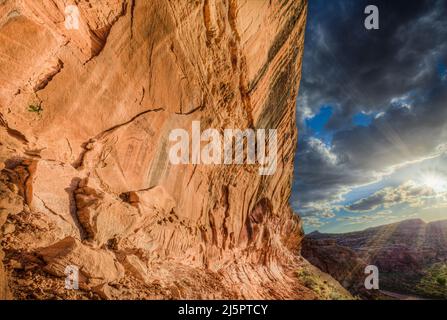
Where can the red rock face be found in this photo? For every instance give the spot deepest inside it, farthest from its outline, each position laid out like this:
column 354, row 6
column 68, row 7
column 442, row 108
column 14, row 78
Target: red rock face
column 85, row 120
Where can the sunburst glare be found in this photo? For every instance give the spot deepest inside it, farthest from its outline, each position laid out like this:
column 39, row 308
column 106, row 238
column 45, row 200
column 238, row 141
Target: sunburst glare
column 436, row 182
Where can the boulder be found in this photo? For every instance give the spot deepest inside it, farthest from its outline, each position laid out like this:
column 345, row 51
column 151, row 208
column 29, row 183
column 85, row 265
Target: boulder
column 96, row 266
column 103, row 216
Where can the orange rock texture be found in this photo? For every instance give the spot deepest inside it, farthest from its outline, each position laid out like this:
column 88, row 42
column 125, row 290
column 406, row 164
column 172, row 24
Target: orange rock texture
column 85, row 116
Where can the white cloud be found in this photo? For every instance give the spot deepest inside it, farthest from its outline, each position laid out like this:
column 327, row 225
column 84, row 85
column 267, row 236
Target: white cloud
column 323, row 150
column 409, row 193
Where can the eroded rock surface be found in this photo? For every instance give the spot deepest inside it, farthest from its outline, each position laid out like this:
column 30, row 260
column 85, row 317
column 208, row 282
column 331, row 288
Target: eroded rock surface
column 85, row 119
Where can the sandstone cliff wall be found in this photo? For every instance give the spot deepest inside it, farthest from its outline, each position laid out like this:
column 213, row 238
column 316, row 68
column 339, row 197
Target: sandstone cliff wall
column 85, row 119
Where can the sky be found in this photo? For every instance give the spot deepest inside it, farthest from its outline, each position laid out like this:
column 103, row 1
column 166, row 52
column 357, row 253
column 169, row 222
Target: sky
column 372, row 115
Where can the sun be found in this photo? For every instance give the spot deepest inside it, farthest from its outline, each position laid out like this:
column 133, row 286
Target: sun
column 437, row 183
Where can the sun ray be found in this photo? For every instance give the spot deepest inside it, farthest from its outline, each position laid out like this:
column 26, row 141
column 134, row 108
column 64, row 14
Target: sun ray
column 435, row 182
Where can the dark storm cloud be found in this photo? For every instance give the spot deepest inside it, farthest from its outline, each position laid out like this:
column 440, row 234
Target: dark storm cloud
column 401, row 134
column 319, row 175
column 359, row 154
column 356, row 69
column 393, row 74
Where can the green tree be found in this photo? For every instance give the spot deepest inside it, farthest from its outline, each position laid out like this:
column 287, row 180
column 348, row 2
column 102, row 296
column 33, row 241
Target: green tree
column 441, row 281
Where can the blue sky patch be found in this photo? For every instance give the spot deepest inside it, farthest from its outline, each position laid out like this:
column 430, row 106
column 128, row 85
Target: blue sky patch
column 442, row 71
column 362, row 119
column 317, row 124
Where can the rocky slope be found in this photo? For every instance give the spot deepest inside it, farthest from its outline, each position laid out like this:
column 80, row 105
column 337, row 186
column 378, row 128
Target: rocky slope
column 85, row 177
column 405, row 253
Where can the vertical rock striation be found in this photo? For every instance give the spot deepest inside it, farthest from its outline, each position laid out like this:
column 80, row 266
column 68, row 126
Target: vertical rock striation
column 85, row 120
